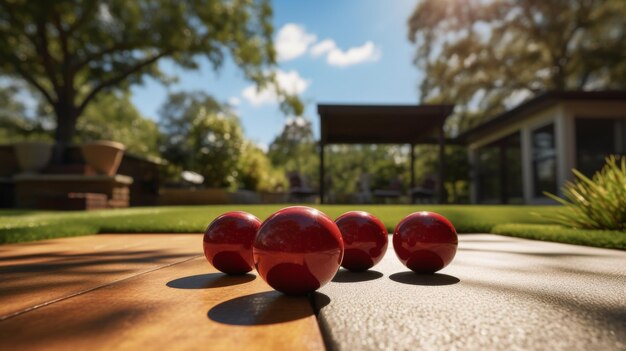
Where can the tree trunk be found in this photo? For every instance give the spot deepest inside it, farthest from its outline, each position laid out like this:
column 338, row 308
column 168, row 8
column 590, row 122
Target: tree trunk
column 66, row 116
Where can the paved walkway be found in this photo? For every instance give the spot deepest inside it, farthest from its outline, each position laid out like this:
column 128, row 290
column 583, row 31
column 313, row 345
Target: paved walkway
column 499, row 293
column 145, row 291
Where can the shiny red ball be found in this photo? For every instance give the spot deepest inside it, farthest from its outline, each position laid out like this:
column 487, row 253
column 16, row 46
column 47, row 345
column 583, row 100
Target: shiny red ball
column 365, row 240
column 228, row 242
column 297, row 250
column 425, row 242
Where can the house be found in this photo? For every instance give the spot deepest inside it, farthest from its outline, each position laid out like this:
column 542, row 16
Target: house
column 521, row 153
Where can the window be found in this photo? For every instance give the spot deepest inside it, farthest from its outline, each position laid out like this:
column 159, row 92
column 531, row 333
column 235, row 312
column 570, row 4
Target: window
column 544, row 160
column 597, row 138
column 500, row 171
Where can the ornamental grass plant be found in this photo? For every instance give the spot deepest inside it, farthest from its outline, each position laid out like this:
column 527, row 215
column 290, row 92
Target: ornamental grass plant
column 598, row 202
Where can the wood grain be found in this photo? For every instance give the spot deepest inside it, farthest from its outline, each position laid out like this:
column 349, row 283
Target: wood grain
column 183, row 306
column 33, row 274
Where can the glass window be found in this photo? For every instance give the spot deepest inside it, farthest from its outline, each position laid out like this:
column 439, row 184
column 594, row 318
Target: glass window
column 595, row 139
column 500, row 171
column 544, row 160
column 489, row 187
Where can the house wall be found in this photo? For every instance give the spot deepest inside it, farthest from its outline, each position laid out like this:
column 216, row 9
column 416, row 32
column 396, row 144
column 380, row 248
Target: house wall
column 586, row 109
column 553, row 114
column 563, row 115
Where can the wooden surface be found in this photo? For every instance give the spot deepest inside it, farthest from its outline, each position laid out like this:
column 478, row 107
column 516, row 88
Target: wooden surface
column 141, row 292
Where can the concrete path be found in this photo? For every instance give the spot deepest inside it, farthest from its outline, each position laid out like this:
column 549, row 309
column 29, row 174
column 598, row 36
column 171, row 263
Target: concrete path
column 499, row 293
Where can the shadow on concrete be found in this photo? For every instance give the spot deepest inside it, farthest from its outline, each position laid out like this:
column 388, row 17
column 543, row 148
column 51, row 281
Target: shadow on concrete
column 319, row 301
column 264, row 308
column 209, row 281
column 346, row 276
column 412, row 278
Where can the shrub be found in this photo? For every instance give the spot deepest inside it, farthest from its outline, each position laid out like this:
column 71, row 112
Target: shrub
column 596, row 203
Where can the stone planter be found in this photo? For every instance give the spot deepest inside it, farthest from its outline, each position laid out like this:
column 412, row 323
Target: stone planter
column 103, row 156
column 33, row 156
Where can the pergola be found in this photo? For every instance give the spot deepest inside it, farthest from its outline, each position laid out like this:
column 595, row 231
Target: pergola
column 384, row 124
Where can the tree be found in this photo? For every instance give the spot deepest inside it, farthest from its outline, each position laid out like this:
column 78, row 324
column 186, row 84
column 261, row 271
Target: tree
column 202, row 135
column 294, row 149
column 112, row 116
column 16, row 123
column 485, row 56
column 70, row 51
column 381, row 164
column 255, row 171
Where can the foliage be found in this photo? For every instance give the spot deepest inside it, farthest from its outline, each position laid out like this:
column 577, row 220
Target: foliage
column 485, row 56
column 111, row 117
column 382, row 165
column 596, row 203
column 557, row 233
column 70, row 51
column 114, row 117
column 456, row 169
column 203, row 136
column 255, row 171
column 15, row 124
column 295, row 150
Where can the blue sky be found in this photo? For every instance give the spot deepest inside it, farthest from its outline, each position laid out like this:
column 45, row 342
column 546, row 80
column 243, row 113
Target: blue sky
column 341, row 51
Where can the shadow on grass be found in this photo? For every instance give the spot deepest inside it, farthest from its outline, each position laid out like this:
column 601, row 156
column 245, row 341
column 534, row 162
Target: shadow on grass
column 413, row 278
column 209, row 281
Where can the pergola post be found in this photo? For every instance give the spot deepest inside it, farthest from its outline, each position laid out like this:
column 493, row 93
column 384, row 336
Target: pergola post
column 412, row 183
column 442, row 152
column 321, row 172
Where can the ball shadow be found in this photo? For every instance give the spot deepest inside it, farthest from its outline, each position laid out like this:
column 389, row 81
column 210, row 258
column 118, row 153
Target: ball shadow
column 209, row 281
column 346, row 276
column 319, row 301
column 413, row 278
column 264, row 308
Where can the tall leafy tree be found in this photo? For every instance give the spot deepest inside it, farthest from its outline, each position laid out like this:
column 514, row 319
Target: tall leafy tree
column 112, row 116
column 16, row 123
column 70, row 51
column 485, row 56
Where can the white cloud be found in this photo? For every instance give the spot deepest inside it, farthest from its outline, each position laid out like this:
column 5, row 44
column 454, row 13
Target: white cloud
column 290, row 82
column 292, row 41
column 367, row 52
column 234, row 101
column 323, row 47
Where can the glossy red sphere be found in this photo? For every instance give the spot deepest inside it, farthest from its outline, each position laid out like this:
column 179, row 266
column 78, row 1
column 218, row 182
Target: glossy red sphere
column 228, row 242
column 364, row 238
column 425, row 242
column 297, row 250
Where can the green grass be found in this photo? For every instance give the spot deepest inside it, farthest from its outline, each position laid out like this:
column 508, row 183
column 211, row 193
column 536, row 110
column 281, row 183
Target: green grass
column 20, row 226
column 598, row 238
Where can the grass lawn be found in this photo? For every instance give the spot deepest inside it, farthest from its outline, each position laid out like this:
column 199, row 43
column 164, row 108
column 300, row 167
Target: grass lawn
column 20, row 226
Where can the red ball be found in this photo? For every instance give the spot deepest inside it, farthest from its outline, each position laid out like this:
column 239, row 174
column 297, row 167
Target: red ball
column 228, row 242
column 365, row 240
column 297, row 250
column 425, row 242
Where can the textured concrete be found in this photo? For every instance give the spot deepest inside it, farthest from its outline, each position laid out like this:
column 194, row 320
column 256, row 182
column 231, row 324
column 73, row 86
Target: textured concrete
column 499, row 293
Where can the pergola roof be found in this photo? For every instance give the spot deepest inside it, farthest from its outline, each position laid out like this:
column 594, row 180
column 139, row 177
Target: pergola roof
column 381, row 124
